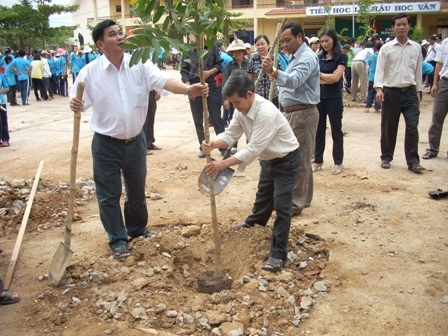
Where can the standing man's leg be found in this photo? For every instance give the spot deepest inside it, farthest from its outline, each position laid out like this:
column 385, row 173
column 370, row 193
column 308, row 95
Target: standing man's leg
column 134, row 175
column 284, row 175
column 4, row 129
column 304, row 125
column 439, row 112
column 214, row 108
column 355, row 80
column 198, row 119
column 36, row 88
column 364, row 79
column 411, row 114
column 23, row 90
column 150, row 118
column 390, row 117
column 108, row 157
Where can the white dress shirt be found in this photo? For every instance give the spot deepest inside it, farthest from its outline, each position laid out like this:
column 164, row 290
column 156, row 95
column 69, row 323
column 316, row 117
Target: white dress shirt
column 267, row 131
column 363, row 55
column 399, row 66
column 46, row 73
column 432, row 52
column 442, row 57
column 119, row 98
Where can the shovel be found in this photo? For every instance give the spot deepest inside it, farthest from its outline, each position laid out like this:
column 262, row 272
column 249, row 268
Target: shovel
column 64, row 253
column 220, row 180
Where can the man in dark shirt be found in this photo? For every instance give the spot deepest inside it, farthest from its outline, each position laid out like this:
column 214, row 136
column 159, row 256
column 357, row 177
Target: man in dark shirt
column 190, row 75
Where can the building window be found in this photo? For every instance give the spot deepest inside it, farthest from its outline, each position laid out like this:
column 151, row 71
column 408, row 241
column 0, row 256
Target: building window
column 118, row 8
column 242, row 3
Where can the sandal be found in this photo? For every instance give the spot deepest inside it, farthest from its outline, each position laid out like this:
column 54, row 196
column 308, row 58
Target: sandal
column 273, row 265
column 429, row 155
column 120, row 252
column 337, row 169
column 317, row 166
column 7, row 297
column 416, row 168
column 148, row 152
column 385, row 164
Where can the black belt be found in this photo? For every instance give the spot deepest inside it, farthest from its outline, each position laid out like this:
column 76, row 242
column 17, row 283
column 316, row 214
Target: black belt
column 358, row 61
column 404, row 89
column 444, row 78
column 282, row 159
column 124, row 141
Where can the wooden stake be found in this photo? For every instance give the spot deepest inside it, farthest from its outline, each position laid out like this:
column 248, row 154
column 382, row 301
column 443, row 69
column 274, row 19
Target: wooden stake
column 15, row 252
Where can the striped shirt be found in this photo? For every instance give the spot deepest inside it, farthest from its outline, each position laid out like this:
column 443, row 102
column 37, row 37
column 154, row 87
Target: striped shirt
column 267, row 131
column 254, row 67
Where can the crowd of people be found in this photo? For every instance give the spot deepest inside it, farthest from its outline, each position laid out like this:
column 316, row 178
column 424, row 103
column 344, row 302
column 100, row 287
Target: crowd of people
column 284, row 118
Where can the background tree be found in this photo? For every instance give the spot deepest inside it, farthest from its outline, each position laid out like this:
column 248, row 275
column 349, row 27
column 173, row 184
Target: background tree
column 366, row 18
column 23, row 26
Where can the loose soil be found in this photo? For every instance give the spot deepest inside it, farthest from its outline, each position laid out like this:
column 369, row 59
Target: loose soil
column 374, row 236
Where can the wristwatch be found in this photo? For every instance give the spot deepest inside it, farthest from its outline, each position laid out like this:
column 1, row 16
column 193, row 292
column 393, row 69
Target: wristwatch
column 274, row 69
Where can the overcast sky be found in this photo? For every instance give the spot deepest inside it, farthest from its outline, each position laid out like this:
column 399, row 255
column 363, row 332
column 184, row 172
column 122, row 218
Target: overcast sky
column 65, row 19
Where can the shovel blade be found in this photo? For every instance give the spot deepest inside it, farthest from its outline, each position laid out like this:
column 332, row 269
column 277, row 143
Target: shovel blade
column 59, row 263
column 220, row 181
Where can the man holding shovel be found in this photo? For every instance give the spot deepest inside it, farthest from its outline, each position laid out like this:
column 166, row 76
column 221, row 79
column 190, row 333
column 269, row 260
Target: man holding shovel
column 118, row 95
column 271, row 139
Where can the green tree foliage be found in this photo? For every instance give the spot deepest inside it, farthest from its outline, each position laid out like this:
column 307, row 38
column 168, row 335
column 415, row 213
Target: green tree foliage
column 366, row 18
column 23, row 26
column 417, row 34
column 183, row 24
column 329, row 20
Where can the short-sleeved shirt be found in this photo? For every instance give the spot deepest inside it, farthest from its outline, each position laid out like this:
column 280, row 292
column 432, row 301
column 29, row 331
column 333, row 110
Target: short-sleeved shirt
column 3, row 85
column 371, row 61
column 442, row 57
column 329, row 91
column 22, row 65
column 37, row 69
column 10, row 75
column 254, row 67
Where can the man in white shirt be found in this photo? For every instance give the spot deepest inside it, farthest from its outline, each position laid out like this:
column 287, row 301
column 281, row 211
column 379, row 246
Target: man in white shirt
column 439, row 90
column 270, row 138
column 398, row 78
column 118, row 95
column 431, row 57
column 359, row 72
column 46, row 74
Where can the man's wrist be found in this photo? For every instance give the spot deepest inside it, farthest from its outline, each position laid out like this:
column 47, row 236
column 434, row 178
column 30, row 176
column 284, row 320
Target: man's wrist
column 188, row 90
column 274, row 70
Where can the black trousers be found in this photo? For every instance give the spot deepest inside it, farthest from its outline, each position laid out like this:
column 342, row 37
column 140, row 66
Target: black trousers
column 397, row 102
column 275, row 187
column 148, row 128
column 333, row 108
column 214, row 111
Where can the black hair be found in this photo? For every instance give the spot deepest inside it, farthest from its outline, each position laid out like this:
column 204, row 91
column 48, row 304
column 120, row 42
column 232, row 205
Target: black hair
column 36, row 57
column 22, row 53
column 296, row 29
column 259, row 37
column 368, row 45
column 8, row 59
column 377, row 46
column 337, row 51
column 433, row 38
column 240, row 83
column 98, row 31
column 219, row 44
column 400, row 16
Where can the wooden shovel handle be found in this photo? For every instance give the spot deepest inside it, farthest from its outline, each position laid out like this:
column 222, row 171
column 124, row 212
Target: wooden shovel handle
column 73, row 159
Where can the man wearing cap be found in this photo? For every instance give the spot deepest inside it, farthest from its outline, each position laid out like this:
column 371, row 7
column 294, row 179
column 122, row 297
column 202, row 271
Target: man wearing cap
column 299, row 88
column 118, row 95
column 87, row 55
column 237, row 51
column 440, row 108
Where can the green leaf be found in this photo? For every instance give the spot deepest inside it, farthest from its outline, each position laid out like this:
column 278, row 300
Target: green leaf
column 158, row 14
column 127, row 46
column 156, row 50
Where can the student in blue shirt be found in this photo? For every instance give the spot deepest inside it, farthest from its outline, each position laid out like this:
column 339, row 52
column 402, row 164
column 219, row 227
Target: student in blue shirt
column 61, row 72
column 54, row 82
column 21, row 67
column 11, row 78
column 371, row 91
column 87, row 56
column 4, row 133
column 74, row 63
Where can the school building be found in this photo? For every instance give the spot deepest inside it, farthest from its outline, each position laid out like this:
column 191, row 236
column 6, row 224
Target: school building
column 264, row 15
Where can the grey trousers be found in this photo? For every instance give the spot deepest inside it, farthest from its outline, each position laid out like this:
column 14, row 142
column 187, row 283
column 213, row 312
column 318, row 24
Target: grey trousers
column 439, row 111
column 359, row 74
column 304, row 125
